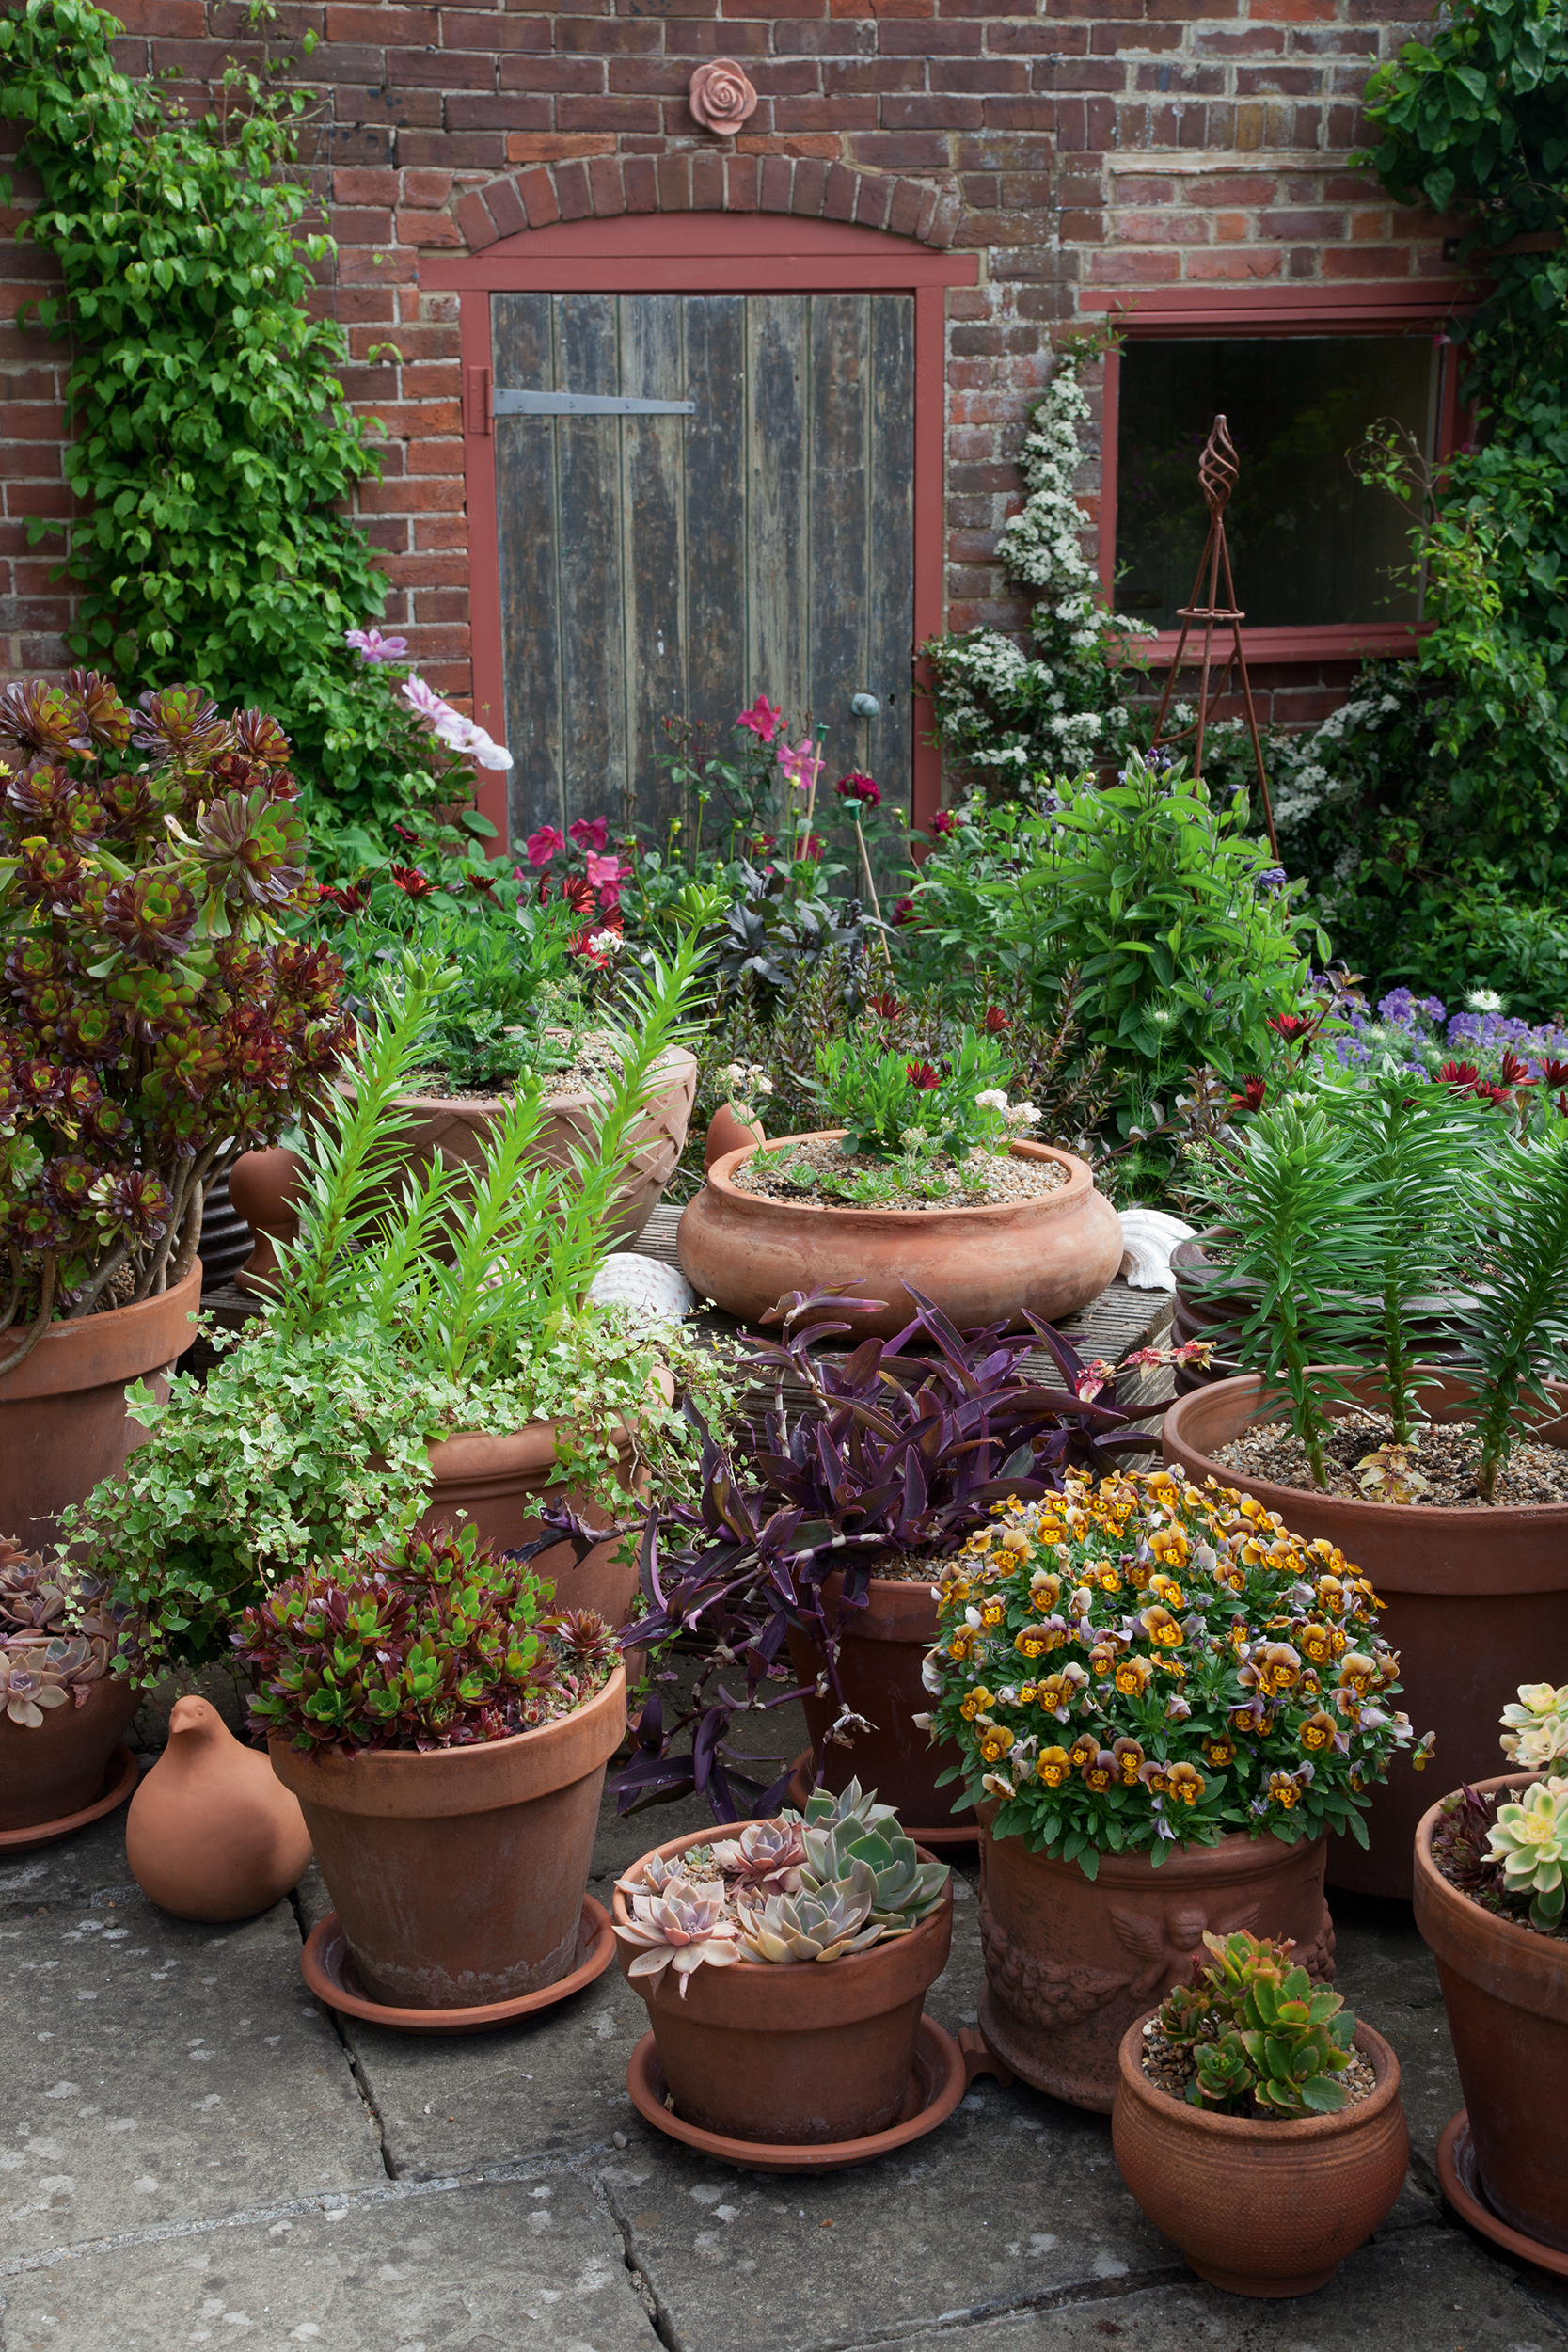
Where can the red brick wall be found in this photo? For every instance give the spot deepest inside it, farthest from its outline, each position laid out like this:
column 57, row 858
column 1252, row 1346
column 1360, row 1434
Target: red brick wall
column 1083, row 146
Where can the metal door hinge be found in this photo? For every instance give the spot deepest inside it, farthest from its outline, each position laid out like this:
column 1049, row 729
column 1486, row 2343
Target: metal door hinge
column 503, row 403
column 476, row 400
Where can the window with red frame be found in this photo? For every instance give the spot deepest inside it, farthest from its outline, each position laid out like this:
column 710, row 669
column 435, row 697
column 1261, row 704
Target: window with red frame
column 1311, row 545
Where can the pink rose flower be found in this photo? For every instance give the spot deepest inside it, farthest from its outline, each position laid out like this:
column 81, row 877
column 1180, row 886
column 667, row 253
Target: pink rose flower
column 721, row 97
column 543, row 844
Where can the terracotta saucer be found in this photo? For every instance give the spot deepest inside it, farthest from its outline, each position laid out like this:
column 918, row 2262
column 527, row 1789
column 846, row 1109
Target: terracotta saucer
column 1460, row 2176
column 121, row 1779
column 952, row 1834
column 326, row 1965
column 943, row 2069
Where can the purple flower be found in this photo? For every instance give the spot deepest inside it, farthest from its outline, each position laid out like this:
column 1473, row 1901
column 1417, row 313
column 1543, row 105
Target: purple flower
column 369, row 644
column 1272, row 878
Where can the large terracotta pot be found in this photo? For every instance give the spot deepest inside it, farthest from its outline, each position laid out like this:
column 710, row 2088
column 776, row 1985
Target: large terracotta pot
column 795, row 2054
column 879, row 1671
column 212, row 1833
column 1506, row 1991
column 63, row 1424
column 458, row 1876
column 1474, row 1601
column 58, row 1767
column 458, row 1129
column 1048, row 1255
column 1071, row 1962
column 1260, row 2207
column 497, row 1480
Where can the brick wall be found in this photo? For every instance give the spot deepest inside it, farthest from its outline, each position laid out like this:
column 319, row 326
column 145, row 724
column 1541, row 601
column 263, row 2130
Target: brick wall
column 1079, row 147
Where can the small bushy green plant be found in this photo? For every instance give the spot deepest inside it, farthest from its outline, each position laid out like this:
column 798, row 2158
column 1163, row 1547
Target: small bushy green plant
column 1260, row 2036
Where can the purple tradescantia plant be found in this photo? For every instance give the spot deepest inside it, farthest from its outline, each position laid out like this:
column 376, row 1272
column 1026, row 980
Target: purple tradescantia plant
column 898, row 1456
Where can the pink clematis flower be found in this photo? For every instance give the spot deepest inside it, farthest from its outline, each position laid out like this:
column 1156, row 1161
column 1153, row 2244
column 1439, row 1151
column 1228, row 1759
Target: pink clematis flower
column 543, row 844
column 602, row 870
column 762, row 720
column 424, row 699
column 801, row 765
column 464, row 735
column 369, row 644
column 589, row 833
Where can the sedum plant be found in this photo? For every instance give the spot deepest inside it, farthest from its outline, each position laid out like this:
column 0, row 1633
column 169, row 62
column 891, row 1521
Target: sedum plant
column 1136, row 1664
column 816, row 1886
column 1260, row 2037
column 433, row 1643
column 60, row 1635
column 156, row 1010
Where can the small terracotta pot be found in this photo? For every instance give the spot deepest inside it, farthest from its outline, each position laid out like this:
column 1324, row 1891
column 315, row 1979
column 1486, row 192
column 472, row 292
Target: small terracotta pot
column 879, row 1671
column 57, row 1768
column 63, row 1424
column 1506, row 1991
column 212, row 1833
column 226, row 1241
column 458, row 1129
column 727, row 1134
column 799, row 2054
column 1048, row 1255
column 1257, row 2207
column 1072, row 1961
column 266, row 1188
column 1472, row 1600
column 458, row 1876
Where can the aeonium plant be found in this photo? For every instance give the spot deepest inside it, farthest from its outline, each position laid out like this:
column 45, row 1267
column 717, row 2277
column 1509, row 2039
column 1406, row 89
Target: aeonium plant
column 1136, row 1664
column 432, row 1642
column 154, row 1009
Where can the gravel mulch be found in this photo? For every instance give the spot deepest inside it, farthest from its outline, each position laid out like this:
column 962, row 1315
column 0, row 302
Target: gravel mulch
column 1008, row 1178
column 1448, row 1456
column 593, row 1067
column 1171, row 2070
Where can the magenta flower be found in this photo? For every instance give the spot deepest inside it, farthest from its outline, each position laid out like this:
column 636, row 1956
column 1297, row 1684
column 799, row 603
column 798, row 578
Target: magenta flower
column 602, row 870
column 589, row 833
column 856, row 787
column 762, row 720
column 801, row 765
column 369, row 644
column 543, row 844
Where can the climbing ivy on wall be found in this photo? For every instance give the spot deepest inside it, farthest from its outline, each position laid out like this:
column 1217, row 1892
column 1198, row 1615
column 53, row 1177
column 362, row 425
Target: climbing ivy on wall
column 211, row 442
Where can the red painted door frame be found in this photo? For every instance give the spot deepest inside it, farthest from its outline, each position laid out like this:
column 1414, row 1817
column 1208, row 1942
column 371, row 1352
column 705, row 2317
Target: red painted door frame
column 697, row 253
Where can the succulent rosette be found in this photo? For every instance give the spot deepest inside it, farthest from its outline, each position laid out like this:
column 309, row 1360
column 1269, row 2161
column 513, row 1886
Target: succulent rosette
column 1135, row 1663
column 152, row 1009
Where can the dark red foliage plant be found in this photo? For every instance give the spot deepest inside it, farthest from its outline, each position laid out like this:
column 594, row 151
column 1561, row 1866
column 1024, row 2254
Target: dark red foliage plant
column 152, row 1006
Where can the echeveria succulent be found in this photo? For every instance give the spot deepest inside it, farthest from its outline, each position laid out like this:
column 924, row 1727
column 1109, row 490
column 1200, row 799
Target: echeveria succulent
column 59, row 1634
column 1530, row 1838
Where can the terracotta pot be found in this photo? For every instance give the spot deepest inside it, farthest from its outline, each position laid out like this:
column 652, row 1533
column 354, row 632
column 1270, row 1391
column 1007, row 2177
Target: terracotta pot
column 1199, row 1313
column 727, row 1134
column 797, row 2054
column 496, row 1482
column 1506, row 1991
column 1257, row 2207
column 212, row 1833
column 459, row 1876
column 879, row 1671
column 63, row 1424
column 1049, row 1255
column 458, row 1129
column 266, row 1187
column 58, row 1767
column 1070, row 1961
column 1473, row 1601
column 226, row 1241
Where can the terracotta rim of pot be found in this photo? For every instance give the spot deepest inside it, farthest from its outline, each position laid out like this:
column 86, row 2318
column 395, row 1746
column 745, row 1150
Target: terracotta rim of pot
column 867, row 1984
column 1379, row 1518
column 1292, row 2131
column 406, row 1783
column 477, row 1106
column 1536, row 1964
column 1134, row 1869
column 121, row 1344
column 893, row 1604
column 1078, row 1185
column 473, row 1454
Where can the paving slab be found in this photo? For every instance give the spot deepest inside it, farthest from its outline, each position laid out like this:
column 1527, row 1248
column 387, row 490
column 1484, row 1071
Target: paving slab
column 1389, row 1977
column 492, row 2266
column 155, row 2070
column 1430, row 2293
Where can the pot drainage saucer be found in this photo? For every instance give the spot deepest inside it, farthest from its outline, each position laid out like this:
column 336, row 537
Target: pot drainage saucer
column 943, row 2071
column 1459, row 2173
column 329, row 1972
column 942, row 1840
column 119, row 1780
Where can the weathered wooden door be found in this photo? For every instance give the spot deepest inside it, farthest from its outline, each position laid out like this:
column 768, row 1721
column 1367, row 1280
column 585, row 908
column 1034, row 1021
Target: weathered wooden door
column 665, row 564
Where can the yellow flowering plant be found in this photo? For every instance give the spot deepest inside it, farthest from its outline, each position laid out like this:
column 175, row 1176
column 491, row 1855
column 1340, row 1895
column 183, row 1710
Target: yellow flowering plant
column 1135, row 1663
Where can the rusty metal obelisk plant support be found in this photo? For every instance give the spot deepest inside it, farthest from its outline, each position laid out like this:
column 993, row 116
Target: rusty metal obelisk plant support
column 1217, row 469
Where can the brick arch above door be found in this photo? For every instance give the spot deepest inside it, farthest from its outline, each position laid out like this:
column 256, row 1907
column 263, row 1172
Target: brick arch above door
column 603, row 186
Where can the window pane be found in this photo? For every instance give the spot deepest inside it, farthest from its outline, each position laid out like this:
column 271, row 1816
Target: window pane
column 1309, row 544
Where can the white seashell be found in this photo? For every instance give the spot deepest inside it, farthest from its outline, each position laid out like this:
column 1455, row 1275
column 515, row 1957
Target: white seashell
column 651, row 1289
column 1148, row 1238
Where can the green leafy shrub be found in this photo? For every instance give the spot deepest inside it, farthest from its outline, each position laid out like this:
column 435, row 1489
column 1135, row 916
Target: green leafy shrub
column 1261, row 2038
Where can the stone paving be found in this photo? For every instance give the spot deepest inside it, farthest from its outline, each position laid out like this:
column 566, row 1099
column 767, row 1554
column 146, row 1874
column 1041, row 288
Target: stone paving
column 192, row 2153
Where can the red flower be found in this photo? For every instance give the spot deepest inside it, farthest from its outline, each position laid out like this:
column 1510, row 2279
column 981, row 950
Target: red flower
column 921, row 1074
column 855, row 786
column 582, row 944
column 578, row 891
column 904, row 911
column 1489, row 1093
column 409, row 879
column 1514, row 1073
column 1290, row 1025
column 1462, row 1074
column 813, row 845
column 403, row 833
column 995, row 1020
column 1555, row 1072
column 944, row 821
column 887, row 1005
column 1251, row 1097
column 347, row 902
column 590, row 833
